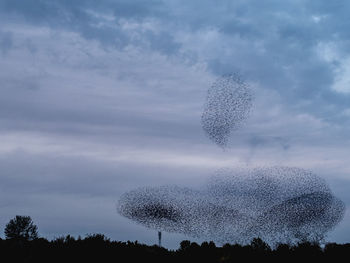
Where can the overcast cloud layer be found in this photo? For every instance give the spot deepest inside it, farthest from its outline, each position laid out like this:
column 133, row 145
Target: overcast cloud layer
column 100, row 97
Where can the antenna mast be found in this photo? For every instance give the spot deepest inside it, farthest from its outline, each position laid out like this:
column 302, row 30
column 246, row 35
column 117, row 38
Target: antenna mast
column 159, row 238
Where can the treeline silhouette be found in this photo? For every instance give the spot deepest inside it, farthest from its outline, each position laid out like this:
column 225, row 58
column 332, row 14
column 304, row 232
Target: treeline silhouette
column 98, row 248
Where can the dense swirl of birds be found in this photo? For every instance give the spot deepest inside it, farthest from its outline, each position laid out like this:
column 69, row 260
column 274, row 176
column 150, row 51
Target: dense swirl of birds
column 228, row 104
column 278, row 204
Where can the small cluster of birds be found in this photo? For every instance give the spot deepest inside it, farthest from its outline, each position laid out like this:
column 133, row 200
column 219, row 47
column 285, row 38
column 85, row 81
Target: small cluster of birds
column 277, row 204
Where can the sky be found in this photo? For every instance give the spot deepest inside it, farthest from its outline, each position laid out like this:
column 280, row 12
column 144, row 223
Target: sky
column 101, row 97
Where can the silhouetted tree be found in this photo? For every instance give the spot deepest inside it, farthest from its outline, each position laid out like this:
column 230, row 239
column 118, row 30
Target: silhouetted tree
column 185, row 244
column 259, row 245
column 99, row 248
column 308, row 250
column 98, row 238
column 21, row 228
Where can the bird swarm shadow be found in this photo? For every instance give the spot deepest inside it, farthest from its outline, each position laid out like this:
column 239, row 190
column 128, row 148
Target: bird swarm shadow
column 98, row 248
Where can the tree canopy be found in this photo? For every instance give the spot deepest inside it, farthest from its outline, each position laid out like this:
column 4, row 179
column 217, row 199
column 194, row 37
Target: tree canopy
column 21, row 227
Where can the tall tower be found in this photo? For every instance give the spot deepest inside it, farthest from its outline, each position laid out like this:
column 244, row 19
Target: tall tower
column 159, row 238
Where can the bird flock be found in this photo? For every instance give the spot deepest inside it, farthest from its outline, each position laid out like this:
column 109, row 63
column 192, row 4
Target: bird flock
column 228, row 104
column 277, row 204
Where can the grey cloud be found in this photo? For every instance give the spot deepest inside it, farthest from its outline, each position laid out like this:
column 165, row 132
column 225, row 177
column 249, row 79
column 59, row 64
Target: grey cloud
column 79, row 16
column 286, row 32
column 259, row 141
column 137, row 9
column 25, row 173
column 91, row 122
column 288, row 37
column 6, row 42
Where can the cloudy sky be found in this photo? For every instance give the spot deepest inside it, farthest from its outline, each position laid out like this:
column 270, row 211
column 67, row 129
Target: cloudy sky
column 100, row 97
